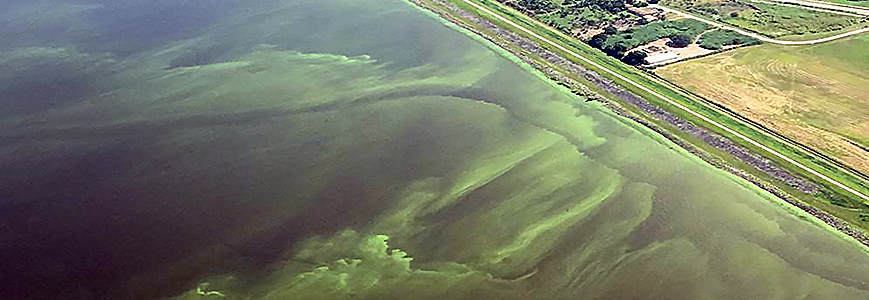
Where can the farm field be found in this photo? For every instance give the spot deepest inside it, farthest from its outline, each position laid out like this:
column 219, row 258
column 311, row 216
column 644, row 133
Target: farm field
column 774, row 21
column 817, row 95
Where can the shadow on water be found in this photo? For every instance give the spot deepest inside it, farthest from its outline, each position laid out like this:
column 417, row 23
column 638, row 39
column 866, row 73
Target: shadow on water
column 200, row 57
column 129, row 27
column 26, row 97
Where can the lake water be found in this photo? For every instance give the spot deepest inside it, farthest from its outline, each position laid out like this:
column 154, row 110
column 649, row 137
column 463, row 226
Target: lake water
column 353, row 149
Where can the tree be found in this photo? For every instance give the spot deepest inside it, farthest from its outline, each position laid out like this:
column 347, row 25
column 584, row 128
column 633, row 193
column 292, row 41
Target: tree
column 611, row 6
column 538, row 6
column 734, row 14
column 610, row 30
column 616, row 50
column 635, row 58
column 653, row 1
column 597, row 40
column 679, row 41
column 641, row 4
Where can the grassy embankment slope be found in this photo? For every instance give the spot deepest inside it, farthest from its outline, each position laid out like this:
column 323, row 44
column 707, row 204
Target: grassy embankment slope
column 832, row 195
column 774, row 21
column 816, row 94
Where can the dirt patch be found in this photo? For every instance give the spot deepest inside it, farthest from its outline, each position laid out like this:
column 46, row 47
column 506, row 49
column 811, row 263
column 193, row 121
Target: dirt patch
column 673, row 16
column 660, row 47
column 587, row 33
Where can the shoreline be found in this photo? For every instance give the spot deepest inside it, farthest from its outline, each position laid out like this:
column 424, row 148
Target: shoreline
column 504, row 38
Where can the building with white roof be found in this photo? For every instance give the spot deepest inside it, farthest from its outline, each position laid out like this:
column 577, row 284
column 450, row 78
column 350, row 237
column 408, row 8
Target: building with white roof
column 657, row 58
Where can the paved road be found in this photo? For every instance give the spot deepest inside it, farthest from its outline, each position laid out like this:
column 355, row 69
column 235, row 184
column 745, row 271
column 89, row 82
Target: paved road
column 674, row 103
column 760, row 37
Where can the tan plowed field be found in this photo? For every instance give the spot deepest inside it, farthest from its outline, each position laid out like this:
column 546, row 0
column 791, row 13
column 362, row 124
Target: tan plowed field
column 818, row 95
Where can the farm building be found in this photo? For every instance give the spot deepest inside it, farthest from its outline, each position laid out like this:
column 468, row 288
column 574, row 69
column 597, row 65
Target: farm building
column 661, row 57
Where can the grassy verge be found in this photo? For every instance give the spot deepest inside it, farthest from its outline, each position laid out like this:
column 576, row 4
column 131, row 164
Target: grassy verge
column 834, row 199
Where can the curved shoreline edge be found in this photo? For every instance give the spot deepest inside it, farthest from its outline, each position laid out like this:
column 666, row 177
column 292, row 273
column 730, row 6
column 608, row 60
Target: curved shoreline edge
column 504, row 38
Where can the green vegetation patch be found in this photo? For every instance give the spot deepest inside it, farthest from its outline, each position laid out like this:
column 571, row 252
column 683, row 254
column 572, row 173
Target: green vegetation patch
column 575, row 15
column 616, row 44
column 768, row 19
column 778, row 21
column 849, row 54
column 717, row 39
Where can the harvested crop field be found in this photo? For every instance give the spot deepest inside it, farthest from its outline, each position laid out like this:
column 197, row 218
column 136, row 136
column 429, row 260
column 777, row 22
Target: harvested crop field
column 818, row 95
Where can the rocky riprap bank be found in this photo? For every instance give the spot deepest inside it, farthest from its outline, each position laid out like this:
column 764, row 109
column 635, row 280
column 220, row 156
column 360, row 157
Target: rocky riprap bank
column 506, row 38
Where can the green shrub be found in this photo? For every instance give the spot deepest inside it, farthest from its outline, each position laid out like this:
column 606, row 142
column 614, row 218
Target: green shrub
column 679, row 41
column 717, row 39
column 635, row 58
column 566, row 15
column 616, row 44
